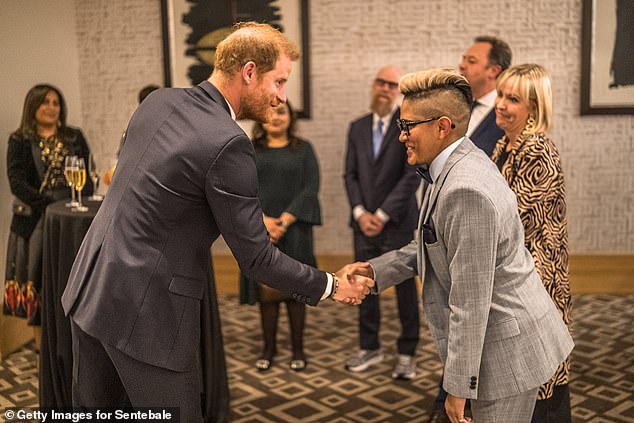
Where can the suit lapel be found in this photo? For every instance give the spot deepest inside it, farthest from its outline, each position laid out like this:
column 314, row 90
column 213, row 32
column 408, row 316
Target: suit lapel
column 390, row 133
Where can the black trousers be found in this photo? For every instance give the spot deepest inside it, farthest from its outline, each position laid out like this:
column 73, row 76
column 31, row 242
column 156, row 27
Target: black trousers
column 104, row 377
column 406, row 296
column 555, row 409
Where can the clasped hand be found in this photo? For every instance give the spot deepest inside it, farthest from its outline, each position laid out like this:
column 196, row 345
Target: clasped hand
column 355, row 282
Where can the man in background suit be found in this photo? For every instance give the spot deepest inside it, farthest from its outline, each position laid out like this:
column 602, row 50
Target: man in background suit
column 186, row 174
column 380, row 187
column 498, row 334
column 481, row 64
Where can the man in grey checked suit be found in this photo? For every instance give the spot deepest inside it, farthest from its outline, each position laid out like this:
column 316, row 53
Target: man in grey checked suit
column 186, row 174
column 498, row 334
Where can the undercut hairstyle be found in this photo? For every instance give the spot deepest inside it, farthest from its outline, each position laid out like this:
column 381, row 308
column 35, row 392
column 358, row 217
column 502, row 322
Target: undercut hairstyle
column 256, row 42
column 34, row 99
column 500, row 53
column 532, row 83
column 440, row 92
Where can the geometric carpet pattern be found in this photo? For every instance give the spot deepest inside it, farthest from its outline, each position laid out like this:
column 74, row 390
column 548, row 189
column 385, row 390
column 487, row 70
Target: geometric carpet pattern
column 602, row 384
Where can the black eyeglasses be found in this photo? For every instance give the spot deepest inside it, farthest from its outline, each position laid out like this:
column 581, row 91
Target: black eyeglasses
column 405, row 125
column 381, row 82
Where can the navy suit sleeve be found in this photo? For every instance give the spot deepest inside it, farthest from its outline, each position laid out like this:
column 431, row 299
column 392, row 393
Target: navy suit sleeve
column 231, row 189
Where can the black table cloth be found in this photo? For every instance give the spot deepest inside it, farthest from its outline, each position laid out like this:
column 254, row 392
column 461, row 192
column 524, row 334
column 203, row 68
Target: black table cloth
column 64, row 231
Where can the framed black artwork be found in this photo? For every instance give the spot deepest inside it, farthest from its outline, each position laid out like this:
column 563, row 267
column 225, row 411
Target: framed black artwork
column 193, row 28
column 607, row 56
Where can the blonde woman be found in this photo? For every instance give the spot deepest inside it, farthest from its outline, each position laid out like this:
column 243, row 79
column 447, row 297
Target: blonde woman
column 530, row 163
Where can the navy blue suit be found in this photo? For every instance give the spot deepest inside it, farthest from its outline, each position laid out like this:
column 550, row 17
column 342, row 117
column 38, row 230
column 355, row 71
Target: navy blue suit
column 389, row 183
column 487, row 134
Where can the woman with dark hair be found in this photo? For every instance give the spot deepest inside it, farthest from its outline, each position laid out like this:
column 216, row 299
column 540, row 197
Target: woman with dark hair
column 35, row 164
column 288, row 178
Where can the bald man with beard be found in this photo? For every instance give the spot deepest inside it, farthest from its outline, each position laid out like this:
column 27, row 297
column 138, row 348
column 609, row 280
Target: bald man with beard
column 381, row 191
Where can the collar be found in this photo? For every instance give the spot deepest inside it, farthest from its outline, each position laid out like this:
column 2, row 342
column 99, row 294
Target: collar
column 387, row 119
column 439, row 162
column 488, row 99
column 233, row 114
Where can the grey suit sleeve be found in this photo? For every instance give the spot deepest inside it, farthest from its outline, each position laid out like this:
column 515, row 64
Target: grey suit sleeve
column 395, row 266
column 231, row 189
column 470, row 231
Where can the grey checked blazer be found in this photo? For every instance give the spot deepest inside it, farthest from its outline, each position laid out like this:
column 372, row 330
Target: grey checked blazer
column 497, row 331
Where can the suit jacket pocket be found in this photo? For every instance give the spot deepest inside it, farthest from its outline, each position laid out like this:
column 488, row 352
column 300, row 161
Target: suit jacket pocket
column 187, row 287
column 437, row 256
column 502, row 330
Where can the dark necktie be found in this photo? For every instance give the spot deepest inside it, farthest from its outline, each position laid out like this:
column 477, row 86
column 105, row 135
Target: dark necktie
column 423, row 171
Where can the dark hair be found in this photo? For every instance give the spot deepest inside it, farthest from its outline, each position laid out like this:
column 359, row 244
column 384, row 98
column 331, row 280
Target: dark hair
column 500, row 53
column 260, row 141
column 34, row 99
column 145, row 91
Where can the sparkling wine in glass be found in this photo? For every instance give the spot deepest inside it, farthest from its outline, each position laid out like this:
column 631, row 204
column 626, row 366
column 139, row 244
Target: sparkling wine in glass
column 94, row 176
column 69, row 166
column 79, row 177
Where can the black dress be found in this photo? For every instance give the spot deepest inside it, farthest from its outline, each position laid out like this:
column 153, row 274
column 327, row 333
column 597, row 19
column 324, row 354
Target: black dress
column 288, row 181
column 30, row 161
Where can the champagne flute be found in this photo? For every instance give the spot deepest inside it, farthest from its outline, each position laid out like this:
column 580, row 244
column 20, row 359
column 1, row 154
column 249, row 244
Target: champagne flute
column 69, row 164
column 94, row 176
column 79, row 177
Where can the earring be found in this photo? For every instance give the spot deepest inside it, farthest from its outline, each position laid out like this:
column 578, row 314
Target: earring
column 530, row 124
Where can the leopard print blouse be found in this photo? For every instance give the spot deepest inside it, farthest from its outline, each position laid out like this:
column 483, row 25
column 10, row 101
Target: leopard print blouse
column 533, row 171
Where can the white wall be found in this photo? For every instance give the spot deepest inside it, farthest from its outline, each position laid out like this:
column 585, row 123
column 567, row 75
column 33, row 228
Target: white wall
column 38, row 43
column 120, row 39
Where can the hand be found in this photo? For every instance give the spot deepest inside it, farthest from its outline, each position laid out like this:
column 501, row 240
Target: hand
column 361, row 268
column 352, row 287
column 274, row 227
column 455, row 409
column 370, row 224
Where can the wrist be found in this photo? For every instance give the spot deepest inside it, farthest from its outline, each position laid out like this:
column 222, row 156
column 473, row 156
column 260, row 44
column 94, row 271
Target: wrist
column 335, row 286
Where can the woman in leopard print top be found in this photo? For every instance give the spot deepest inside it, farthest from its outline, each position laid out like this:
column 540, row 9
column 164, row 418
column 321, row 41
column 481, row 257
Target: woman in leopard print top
column 529, row 161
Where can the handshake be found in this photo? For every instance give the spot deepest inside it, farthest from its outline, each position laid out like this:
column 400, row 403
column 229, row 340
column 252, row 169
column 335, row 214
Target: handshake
column 354, row 283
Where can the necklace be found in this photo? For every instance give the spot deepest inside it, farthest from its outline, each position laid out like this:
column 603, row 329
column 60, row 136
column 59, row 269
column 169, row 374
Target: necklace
column 53, row 154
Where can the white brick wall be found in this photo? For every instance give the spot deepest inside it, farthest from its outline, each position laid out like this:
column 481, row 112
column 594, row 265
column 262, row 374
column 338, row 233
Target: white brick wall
column 120, row 51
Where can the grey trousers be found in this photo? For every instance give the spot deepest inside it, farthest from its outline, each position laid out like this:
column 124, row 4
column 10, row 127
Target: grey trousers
column 515, row 409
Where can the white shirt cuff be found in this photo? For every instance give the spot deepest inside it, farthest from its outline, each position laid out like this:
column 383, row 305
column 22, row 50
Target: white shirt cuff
column 328, row 290
column 357, row 211
column 382, row 216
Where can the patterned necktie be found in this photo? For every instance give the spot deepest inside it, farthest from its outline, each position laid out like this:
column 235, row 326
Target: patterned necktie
column 377, row 138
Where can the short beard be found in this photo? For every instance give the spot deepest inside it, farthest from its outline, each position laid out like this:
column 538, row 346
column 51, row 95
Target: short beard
column 380, row 107
column 256, row 108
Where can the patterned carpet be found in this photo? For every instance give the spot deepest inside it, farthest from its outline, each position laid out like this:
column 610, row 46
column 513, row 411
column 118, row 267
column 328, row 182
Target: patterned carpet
column 602, row 386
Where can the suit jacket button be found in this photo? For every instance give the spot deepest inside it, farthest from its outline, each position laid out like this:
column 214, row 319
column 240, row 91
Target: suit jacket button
column 473, row 378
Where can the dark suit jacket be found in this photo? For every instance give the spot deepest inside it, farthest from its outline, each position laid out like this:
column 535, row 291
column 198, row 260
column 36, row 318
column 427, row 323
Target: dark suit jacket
column 186, row 175
column 487, row 134
column 388, row 182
